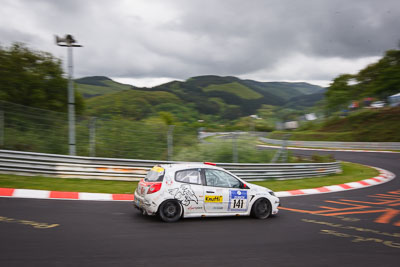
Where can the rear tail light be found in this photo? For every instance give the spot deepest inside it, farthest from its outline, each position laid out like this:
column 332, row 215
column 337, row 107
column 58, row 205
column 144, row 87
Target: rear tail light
column 154, row 187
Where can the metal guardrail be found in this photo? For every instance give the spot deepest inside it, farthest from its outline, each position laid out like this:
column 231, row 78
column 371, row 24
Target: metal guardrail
column 337, row 145
column 31, row 163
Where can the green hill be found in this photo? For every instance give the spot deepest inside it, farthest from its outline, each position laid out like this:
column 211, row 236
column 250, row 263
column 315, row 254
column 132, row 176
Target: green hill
column 304, row 101
column 212, row 94
column 224, row 97
column 234, row 88
column 132, row 103
column 284, row 90
column 365, row 125
column 99, row 85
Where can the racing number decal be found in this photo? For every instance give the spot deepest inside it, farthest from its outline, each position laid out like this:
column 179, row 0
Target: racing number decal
column 238, row 200
column 237, row 204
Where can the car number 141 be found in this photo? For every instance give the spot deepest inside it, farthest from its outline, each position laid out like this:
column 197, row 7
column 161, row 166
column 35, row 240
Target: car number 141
column 238, row 200
column 237, row 204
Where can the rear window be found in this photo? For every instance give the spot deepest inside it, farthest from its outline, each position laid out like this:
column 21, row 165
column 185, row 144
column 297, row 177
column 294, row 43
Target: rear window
column 188, row 176
column 156, row 174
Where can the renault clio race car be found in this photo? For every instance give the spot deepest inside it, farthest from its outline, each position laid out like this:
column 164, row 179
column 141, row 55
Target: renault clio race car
column 172, row 191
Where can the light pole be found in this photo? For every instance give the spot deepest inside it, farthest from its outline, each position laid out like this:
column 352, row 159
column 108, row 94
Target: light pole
column 69, row 42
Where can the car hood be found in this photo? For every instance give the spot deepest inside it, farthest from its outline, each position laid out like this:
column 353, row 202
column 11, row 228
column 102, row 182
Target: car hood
column 258, row 188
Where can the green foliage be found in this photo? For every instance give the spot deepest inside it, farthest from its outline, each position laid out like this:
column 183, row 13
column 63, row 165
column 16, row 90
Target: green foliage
column 322, row 158
column 38, row 130
column 99, row 85
column 33, row 78
column 131, row 104
column 381, row 79
column 213, row 99
column 378, row 80
column 167, row 117
column 314, row 158
column 339, row 93
column 183, row 113
column 365, row 125
column 305, row 101
column 234, row 88
column 221, row 150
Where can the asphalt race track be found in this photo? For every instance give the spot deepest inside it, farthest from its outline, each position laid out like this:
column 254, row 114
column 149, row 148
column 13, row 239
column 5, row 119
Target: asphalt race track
column 352, row 228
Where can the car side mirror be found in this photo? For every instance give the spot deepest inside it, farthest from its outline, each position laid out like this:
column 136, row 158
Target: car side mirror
column 244, row 186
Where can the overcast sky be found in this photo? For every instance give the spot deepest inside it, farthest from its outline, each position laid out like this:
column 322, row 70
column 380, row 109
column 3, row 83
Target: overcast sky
column 148, row 42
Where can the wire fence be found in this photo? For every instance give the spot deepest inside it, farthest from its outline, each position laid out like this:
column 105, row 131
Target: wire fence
column 37, row 130
column 31, row 129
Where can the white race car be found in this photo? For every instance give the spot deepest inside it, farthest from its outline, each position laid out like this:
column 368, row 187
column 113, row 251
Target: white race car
column 173, row 191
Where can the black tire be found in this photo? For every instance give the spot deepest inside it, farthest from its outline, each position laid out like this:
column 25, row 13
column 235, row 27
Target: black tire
column 261, row 209
column 170, row 211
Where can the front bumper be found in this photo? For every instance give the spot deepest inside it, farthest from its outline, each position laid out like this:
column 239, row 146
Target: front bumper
column 275, row 204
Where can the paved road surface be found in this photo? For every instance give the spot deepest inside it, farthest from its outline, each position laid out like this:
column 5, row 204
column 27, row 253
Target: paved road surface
column 353, row 228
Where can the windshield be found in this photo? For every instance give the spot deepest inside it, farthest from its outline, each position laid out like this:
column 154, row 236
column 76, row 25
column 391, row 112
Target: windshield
column 156, row 174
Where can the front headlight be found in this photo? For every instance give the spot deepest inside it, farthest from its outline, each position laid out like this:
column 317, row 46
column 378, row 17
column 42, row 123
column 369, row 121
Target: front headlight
column 271, row 193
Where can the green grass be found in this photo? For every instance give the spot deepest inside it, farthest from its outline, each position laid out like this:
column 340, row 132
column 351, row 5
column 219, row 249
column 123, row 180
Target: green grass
column 234, row 88
column 68, row 185
column 351, row 172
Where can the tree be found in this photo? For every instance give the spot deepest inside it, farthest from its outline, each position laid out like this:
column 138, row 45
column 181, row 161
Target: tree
column 34, row 78
column 382, row 79
column 378, row 80
column 339, row 93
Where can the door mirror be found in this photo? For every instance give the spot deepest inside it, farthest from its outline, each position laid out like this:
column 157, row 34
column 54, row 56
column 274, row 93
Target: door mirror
column 244, row 186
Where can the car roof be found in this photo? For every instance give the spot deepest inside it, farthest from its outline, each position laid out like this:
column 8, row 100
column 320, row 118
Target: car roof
column 189, row 165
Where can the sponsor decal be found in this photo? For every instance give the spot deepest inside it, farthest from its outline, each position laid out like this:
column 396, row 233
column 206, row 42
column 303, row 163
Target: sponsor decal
column 195, row 208
column 184, row 194
column 169, row 181
column 157, row 169
column 238, row 200
column 217, row 208
column 213, row 199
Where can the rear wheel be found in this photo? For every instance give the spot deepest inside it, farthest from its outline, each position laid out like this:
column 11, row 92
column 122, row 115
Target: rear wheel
column 170, row 211
column 261, row 209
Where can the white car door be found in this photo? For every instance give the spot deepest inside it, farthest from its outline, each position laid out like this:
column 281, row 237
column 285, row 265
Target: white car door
column 222, row 193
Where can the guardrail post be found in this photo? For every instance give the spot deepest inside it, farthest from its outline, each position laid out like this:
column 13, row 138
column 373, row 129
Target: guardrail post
column 235, row 156
column 92, row 137
column 170, row 141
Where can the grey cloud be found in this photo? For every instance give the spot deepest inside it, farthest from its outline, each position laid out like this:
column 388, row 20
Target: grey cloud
column 226, row 37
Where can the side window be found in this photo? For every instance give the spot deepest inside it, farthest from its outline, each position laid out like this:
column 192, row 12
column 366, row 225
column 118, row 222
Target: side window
column 221, row 179
column 188, row 176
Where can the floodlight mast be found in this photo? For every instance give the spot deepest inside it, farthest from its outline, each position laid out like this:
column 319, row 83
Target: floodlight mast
column 70, row 42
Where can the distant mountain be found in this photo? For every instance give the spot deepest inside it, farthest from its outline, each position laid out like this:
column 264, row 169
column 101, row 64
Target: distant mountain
column 226, row 97
column 248, row 95
column 99, row 85
column 305, row 101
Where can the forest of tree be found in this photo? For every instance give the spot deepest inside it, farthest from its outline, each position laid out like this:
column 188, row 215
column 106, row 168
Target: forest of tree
column 34, row 78
column 378, row 80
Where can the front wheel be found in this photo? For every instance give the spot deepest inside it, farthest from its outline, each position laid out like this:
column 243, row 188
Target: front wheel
column 170, row 211
column 261, row 209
